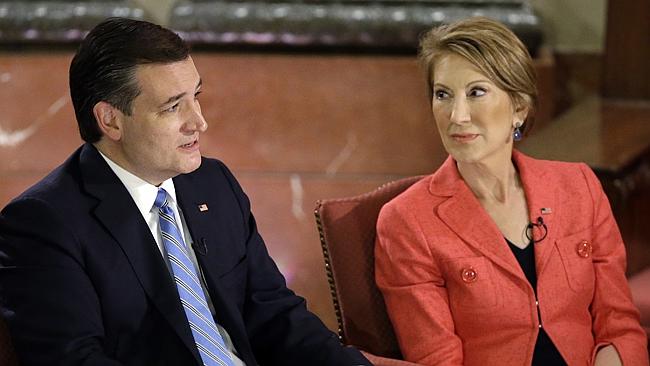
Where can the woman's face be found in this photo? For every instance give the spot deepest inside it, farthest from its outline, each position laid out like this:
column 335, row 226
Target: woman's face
column 475, row 118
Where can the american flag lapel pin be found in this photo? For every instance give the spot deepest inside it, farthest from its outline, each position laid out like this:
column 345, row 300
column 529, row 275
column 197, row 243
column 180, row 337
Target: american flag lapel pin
column 203, row 207
column 546, row 210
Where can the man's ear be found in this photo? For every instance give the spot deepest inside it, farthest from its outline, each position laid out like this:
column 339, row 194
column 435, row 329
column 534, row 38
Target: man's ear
column 109, row 120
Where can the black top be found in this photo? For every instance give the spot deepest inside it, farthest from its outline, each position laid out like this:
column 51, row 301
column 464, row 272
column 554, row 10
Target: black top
column 545, row 354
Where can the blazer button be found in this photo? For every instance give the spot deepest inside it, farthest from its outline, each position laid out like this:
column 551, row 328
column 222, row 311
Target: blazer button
column 468, row 275
column 584, row 249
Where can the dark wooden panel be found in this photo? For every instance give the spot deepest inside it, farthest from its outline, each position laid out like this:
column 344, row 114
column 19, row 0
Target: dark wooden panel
column 627, row 50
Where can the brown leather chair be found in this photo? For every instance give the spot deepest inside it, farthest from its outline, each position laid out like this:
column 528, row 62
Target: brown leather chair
column 640, row 288
column 7, row 356
column 347, row 233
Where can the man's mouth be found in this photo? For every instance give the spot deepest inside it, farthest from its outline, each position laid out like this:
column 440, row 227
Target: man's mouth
column 190, row 144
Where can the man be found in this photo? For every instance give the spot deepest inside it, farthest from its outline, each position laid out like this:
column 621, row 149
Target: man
column 136, row 250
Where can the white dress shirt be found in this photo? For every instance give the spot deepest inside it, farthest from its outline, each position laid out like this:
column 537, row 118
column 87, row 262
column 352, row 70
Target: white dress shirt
column 144, row 195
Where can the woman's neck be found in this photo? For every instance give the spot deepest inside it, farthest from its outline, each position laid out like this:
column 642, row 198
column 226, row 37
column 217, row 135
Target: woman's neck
column 492, row 180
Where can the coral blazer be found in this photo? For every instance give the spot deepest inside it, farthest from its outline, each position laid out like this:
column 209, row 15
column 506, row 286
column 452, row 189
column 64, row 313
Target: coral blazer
column 456, row 295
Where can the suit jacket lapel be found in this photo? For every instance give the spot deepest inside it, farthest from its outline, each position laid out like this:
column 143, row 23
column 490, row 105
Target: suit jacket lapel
column 542, row 202
column 119, row 214
column 464, row 215
column 199, row 212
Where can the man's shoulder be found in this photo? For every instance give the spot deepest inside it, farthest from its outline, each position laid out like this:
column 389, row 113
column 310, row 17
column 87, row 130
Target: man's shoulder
column 210, row 165
column 59, row 182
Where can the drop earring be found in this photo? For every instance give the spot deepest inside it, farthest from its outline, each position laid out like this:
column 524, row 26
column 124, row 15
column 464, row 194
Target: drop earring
column 516, row 134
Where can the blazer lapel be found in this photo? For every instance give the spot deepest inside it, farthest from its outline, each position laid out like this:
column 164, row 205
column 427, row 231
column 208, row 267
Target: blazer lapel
column 211, row 251
column 464, row 215
column 542, row 203
column 119, row 214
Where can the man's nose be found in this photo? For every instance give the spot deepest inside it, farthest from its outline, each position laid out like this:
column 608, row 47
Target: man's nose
column 196, row 122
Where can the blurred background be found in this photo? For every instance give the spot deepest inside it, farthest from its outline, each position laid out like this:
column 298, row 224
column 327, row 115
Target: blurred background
column 318, row 99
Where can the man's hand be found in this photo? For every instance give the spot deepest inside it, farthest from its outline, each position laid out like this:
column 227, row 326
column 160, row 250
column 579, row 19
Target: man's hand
column 607, row 356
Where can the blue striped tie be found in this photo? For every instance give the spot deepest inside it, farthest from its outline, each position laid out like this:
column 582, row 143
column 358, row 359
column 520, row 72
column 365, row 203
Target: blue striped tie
column 206, row 336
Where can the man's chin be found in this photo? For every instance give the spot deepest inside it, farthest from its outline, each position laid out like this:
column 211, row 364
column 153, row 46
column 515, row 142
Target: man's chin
column 194, row 165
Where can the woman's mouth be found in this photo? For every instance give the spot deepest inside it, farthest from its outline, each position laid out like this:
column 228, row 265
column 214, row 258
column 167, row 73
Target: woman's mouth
column 464, row 137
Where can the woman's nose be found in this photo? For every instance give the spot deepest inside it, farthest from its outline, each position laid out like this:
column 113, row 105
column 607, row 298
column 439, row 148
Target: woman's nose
column 460, row 112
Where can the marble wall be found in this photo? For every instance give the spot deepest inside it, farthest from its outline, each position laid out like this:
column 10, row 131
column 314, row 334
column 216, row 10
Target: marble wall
column 294, row 129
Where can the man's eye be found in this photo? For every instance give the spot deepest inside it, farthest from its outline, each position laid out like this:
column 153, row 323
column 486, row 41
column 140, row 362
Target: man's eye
column 173, row 108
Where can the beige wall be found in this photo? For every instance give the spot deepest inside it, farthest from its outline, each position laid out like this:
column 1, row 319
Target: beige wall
column 573, row 26
column 158, row 11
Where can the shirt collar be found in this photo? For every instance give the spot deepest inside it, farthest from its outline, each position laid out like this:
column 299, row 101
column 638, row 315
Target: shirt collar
column 143, row 193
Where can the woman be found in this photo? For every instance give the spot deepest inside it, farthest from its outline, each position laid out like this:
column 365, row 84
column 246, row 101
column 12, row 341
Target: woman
column 498, row 258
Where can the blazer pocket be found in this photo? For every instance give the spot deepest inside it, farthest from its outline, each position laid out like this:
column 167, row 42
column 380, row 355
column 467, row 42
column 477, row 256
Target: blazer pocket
column 576, row 254
column 471, row 284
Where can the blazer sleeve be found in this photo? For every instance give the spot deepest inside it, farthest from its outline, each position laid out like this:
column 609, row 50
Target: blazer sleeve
column 48, row 300
column 413, row 287
column 280, row 328
column 615, row 318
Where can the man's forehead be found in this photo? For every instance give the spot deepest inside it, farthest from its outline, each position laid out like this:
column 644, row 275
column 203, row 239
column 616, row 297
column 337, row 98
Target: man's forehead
column 176, row 69
column 162, row 80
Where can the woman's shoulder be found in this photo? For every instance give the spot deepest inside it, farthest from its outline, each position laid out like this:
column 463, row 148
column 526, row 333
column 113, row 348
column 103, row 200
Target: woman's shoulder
column 409, row 196
column 555, row 169
column 413, row 193
column 545, row 163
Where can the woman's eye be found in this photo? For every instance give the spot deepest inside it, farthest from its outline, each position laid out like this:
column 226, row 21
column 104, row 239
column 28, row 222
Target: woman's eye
column 477, row 92
column 440, row 94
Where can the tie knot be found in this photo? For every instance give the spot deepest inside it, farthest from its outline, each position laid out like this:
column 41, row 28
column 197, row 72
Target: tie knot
column 161, row 199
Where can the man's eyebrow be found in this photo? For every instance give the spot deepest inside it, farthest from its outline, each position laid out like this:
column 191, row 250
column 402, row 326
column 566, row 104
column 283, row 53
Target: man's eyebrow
column 181, row 95
column 173, row 99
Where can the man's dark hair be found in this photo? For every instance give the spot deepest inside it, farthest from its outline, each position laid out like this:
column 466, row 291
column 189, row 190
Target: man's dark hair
column 103, row 69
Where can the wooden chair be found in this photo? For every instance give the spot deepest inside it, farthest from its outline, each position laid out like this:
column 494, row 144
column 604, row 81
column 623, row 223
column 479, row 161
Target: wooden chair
column 347, row 233
column 640, row 288
column 7, row 356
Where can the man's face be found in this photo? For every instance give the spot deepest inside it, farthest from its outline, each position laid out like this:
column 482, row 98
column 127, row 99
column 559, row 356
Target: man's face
column 160, row 139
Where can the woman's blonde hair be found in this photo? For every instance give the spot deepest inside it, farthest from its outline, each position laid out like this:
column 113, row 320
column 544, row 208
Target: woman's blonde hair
column 490, row 46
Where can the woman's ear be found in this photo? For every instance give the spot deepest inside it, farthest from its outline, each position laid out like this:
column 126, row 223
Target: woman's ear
column 109, row 120
column 521, row 109
column 521, row 113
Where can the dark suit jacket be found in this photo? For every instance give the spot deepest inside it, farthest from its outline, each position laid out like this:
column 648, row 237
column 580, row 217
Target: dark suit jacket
column 82, row 281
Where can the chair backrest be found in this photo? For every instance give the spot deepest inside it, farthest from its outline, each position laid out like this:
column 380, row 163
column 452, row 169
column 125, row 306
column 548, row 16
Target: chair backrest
column 7, row 356
column 347, row 228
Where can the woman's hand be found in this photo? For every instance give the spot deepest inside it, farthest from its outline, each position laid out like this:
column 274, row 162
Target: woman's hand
column 607, row 356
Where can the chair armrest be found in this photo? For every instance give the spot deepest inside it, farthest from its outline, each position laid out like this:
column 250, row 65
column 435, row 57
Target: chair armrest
column 384, row 361
column 639, row 285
